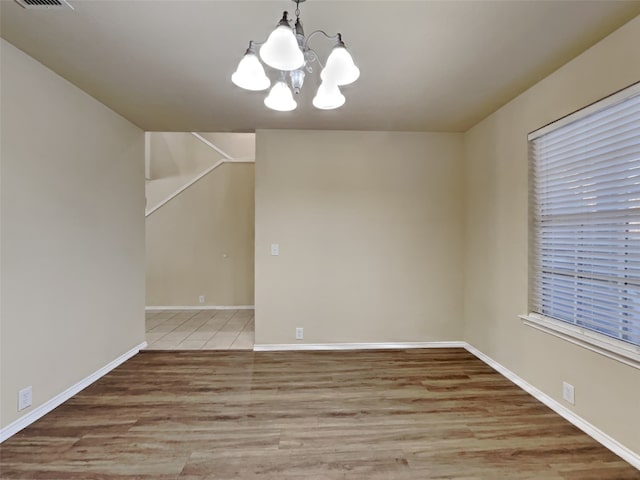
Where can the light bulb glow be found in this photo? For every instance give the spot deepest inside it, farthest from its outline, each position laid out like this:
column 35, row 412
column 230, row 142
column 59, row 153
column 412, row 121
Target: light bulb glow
column 280, row 98
column 340, row 68
column 328, row 97
column 281, row 50
column 250, row 74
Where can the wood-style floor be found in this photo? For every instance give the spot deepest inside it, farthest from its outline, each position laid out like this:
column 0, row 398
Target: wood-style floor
column 408, row 414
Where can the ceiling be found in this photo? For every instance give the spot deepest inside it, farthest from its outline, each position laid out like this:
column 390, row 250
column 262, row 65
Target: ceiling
column 426, row 65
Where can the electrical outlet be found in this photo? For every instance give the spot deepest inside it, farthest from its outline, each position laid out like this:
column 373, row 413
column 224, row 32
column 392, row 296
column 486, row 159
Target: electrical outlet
column 275, row 249
column 25, row 398
column 568, row 393
column 201, row 298
column 299, row 333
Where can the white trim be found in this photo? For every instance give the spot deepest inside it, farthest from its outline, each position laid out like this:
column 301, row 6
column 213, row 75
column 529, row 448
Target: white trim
column 62, row 397
column 199, row 307
column 588, row 110
column 211, row 145
column 184, row 187
column 266, row 347
column 191, row 182
column 593, row 341
column 594, row 432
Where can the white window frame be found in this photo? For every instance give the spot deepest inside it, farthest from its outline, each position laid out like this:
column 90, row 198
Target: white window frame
column 619, row 350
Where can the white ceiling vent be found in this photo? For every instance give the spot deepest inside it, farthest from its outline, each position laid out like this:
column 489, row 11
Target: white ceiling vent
column 44, row 4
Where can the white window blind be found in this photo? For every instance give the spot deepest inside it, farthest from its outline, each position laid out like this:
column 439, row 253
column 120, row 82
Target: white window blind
column 585, row 215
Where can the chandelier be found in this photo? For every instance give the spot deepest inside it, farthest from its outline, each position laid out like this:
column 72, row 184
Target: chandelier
column 287, row 51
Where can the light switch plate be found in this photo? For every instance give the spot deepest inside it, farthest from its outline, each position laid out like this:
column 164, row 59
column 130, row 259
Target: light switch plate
column 275, row 249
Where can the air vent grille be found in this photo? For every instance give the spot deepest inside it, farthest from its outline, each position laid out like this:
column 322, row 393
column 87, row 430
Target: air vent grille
column 44, row 4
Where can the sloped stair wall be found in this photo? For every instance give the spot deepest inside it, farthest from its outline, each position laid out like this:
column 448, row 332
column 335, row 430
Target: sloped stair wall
column 200, row 219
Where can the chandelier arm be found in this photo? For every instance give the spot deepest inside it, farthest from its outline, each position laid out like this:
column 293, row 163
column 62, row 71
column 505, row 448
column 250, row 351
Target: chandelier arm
column 253, row 43
column 330, row 37
column 316, row 57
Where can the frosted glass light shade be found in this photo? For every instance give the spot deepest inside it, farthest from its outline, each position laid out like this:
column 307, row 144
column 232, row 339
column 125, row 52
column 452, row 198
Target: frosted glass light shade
column 340, row 68
column 328, row 97
column 280, row 98
column 281, row 50
column 250, row 74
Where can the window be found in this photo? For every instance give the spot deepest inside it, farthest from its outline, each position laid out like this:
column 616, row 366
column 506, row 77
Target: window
column 585, row 225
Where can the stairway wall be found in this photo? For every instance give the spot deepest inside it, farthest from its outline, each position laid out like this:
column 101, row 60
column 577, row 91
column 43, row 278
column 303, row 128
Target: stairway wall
column 201, row 242
column 176, row 159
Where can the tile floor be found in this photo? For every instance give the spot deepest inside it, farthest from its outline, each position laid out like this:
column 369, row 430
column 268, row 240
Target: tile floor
column 200, row 330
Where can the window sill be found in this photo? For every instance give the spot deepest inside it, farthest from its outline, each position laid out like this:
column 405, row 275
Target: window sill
column 609, row 347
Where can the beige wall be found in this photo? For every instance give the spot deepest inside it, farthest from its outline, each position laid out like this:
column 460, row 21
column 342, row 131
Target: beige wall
column 201, row 242
column 72, row 206
column 607, row 392
column 369, row 229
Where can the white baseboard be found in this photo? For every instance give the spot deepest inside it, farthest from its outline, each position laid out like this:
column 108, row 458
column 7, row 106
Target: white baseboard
column 594, row 432
column 56, row 401
column 199, row 307
column 353, row 346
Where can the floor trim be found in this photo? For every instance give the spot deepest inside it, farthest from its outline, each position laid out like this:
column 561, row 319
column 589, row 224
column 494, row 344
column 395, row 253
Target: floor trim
column 265, row 347
column 594, row 432
column 199, row 307
column 62, row 397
